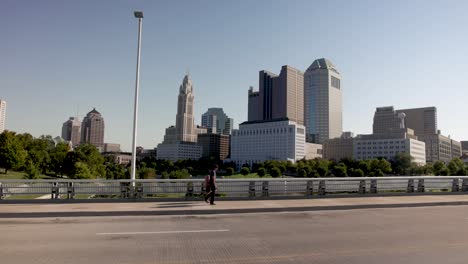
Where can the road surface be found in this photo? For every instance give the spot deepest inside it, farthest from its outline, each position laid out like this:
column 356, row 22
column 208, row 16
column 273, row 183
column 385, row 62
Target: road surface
column 437, row 234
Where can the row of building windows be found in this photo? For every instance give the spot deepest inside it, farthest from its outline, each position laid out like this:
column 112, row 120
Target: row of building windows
column 380, row 142
column 265, row 131
column 383, row 147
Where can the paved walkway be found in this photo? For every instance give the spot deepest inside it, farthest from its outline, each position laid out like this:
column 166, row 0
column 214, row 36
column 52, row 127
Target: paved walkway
column 224, row 207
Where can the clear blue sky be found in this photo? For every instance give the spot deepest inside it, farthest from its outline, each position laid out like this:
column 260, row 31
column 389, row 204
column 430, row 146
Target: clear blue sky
column 57, row 56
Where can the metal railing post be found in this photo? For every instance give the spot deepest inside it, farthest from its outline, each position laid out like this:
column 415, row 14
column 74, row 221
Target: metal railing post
column 123, row 190
column 265, row 189
column 322, row 188
column 189, row 192
column 252, row 189
column 455, row 185
column 1, row 191
column 421, row 187
column 138, row 191
column 362, row 186
column 410, row 187
column 70, row 191
column 465, row 185
column 310, row 189
column 54, row 191
column 373, row 186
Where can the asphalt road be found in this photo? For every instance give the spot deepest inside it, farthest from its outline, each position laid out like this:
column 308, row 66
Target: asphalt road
column 436, row 234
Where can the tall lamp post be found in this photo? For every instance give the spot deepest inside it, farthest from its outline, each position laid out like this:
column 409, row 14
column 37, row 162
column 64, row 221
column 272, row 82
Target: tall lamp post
column 139, row 15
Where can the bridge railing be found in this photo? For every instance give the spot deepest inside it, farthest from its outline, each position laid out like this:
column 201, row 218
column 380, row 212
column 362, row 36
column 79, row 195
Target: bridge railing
column 256, row 188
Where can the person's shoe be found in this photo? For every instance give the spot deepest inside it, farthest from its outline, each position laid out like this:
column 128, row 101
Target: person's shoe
column 212, row 203
column 206, row 201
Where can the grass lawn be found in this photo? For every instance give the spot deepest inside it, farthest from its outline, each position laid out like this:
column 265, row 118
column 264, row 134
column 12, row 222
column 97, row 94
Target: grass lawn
column 23, row 196
column 15, row 175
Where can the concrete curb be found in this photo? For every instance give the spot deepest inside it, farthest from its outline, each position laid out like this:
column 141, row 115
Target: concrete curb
column 224, row 211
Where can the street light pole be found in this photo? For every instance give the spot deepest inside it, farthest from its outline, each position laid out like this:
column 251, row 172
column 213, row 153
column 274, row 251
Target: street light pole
column 139, row 15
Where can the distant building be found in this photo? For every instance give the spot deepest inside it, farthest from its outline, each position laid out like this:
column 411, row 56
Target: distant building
column 3, row 105
column 254, row 111
column 92, row 129
column 71, row 131
column 214, row 145
column 111, row 147
column 142, row 153
column 185, row 127
column 179, row 151
column 323, row 102
column 122, row 158
column 339, row 148
column 464, row 145
column 464, row 158
column 386, row 119
column 388, row 145
column 422, row 120
column 256, row 142
column 180, row 141
column 217, row 121
column 313, row 151
column 279, row 96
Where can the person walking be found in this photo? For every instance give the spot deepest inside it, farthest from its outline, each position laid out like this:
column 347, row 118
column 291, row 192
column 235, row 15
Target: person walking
column 210, row 184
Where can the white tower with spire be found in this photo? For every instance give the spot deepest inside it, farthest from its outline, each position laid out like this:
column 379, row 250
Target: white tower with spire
column 185, row 127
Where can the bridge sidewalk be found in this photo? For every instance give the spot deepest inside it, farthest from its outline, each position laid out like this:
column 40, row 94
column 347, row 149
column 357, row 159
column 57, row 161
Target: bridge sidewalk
column 223, row 207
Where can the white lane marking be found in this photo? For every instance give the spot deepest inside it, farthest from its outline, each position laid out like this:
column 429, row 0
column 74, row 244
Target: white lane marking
column 163, row 232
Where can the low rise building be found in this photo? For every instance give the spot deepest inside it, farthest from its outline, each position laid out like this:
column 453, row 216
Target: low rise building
column 441, row 148
column 111, row 147
column 339, row 148
column 179, row 151
column 142, row 153
column 313, row 151
column 214, row 145
column 388, row 145
column 258, row 141
column 122, row 158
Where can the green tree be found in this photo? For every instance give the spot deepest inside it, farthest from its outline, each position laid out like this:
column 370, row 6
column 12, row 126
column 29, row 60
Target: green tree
column 81, row 171
column 340, row 170
column 356, row 173
column 245, row 170
column 322, row 168
column 89, row 155
column 261, row 172
column 31, row 171
column 381, row 165
column 302, row 173
column 57, row 157
column 439, row 168
column 401, row 163
column 229, row 171
column 147, row 173
column 12, row 154
column 275, row 172
column 456, row 167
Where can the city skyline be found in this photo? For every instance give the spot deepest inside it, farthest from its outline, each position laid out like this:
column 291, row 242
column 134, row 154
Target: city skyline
column 387, row 53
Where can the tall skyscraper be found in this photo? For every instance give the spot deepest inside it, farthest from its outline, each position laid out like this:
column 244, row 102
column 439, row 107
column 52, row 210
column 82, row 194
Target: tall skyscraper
column 279, row 96
column 254, row 111
column 180, row 142
column 422, row 120
column 92, row 129
column 71, row 131
column 2, row 115
column 216, row 120
column 323, row 102
column 185, row 127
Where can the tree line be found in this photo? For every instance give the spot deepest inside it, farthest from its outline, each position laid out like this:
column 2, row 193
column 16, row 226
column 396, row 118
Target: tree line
column 42, row 155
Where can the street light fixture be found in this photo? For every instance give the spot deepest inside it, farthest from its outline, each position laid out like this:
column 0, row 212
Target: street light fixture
column 139, row 15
